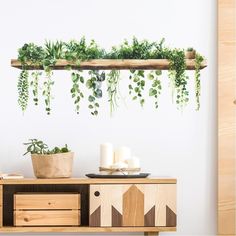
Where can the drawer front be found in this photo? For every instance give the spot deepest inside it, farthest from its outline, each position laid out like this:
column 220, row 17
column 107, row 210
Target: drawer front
column 47, row 218
column 115, row 205
column 32, row 201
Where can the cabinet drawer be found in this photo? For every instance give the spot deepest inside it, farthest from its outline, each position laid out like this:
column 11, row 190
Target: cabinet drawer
column 132, row 205
column 47, row 218
column 32, row 201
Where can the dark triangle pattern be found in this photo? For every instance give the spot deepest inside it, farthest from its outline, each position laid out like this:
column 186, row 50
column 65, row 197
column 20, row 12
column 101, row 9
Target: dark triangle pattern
column 116, row 217
column 149, row 218
column 95, row 218
column 170, row 217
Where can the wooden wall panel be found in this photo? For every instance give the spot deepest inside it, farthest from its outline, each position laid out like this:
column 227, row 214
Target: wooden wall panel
column 1, row 205
column 226, row 117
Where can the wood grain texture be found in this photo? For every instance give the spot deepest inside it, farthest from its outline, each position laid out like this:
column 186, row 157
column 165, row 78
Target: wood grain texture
column 47, row 218
column 1, row 205
column 151, row 180
column 139, row 204
column 10, row 190
column 46, row 201
column 108, row 64
column 116, row 217
column 109, row 195
column 149, row 218
column 226, row 117
column 95, row 218
column 166, row 196
column 133, row 207
column 170, row 217
column 86, row 229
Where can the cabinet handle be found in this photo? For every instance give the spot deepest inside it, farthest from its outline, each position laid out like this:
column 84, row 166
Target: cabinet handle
column 97, row 194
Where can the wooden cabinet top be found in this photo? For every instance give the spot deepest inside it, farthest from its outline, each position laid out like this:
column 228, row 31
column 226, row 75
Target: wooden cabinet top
column 151, row 180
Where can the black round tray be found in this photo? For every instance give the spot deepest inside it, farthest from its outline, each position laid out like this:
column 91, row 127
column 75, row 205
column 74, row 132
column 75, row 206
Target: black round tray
column 141, row 175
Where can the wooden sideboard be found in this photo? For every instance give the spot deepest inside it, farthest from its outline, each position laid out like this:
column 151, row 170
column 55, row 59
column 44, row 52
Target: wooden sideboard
column 88, row 205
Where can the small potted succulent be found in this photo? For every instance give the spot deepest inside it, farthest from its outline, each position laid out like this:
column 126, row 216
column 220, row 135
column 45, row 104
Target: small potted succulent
column 50, row 163
column 190, row 53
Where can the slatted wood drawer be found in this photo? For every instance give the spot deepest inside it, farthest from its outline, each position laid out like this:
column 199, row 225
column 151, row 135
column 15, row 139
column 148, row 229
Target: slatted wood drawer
column 46, row 201
column 47, row 218
column 46, row 209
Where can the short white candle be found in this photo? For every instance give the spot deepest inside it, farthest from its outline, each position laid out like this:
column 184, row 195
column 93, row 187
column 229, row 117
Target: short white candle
column 122, row 154
column 133, row 162
column 106, row 155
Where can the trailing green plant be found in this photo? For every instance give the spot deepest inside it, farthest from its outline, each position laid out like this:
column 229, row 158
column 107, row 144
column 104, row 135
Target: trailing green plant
column 35, row 86
column 137, row 85
column 156, row 87
column 23, row 89
column 198, row 60
column 76, row 92
column 35, row 146
column 94, row 83
column 113, row 78
column 45, row 57
column 47, row 91
column 178, row 77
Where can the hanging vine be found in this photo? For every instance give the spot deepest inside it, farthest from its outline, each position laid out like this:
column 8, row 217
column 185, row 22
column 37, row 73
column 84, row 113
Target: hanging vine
column 155, row 90
column 76, row 92
column 23, row 89
column 35, row 86
column 199, row 59
column 112, row 88
column 137, row 85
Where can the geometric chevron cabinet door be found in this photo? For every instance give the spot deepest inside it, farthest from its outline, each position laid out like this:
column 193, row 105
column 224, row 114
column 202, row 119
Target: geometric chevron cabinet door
column 144, row 205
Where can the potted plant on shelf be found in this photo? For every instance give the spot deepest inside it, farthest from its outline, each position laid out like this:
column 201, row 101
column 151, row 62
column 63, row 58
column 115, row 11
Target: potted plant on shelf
column 54, row 163
column 190, row 53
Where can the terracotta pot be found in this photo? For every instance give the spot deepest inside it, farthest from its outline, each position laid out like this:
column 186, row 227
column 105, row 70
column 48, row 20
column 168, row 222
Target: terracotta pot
column 53, row 165
column 190, row 54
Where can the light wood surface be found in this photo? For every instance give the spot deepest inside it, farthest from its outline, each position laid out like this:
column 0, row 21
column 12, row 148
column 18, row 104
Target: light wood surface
column 108, row 64
column 151, row 180
column 133, row 205
column 226, row 117
column 47, row 218
column 53, row 201
column 1, row 205
column 87, row 229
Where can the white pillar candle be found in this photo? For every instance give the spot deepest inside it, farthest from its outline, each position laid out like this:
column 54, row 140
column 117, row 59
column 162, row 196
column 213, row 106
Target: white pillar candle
column 106, row 155
column 133, row 162
column 122, row 154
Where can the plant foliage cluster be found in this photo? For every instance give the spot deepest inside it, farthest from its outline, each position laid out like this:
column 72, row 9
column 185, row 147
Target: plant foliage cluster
column 35, row 146
column 77, row 51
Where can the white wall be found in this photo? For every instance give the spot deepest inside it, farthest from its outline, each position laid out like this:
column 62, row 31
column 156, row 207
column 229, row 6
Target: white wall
column 168, row 142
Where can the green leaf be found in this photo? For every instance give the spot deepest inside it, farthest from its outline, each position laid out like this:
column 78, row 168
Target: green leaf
column 152, row 92
column 150, row 76
column 91, row 98
column 158, row 72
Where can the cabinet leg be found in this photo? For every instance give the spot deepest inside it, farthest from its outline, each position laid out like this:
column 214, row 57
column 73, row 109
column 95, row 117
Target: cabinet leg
column 151, row 233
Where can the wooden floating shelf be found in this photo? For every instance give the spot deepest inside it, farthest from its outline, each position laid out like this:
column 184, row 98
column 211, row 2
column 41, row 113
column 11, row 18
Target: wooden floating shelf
column 110, row 64
column 86, row 229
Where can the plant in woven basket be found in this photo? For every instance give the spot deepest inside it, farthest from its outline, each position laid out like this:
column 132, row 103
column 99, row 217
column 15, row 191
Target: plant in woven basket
column 35, row 146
